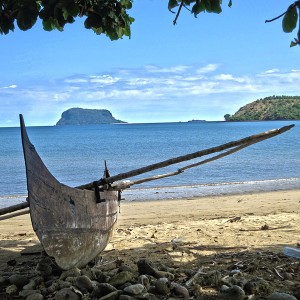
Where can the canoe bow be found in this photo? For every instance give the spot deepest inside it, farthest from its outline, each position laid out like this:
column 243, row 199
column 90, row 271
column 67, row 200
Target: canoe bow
column 71, row 224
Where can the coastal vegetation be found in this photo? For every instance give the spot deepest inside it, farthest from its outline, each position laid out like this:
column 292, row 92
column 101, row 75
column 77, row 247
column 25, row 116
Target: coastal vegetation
column 269, row 108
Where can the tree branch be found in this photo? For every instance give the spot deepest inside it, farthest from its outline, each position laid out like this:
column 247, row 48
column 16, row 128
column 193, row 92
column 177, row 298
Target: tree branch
column 297, row 3
column 178, row 13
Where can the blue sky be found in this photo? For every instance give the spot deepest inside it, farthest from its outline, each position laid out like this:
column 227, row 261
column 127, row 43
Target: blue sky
column 202, row 68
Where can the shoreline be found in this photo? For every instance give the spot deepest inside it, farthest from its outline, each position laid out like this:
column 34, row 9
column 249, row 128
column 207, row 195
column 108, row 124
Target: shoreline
column 211, row 233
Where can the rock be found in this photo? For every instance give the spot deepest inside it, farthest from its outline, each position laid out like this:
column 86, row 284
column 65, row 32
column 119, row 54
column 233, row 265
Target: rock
column 197, row 291
column 36, row 296
column 81, row 116
column 84, row 284
column 163, row 274
column 26, row 293
column 180, row 290
column 67, row 293
column 147, row 296
column 99, row 275
column 144, row 267
column 256, row 286
column 111, row 296
column 121, row 278
column 144, row 280
column 281, row 296
column 212, row 278
column 224, row 288
column 18, row 279
column 44, row 268
column 125, row 297
column 162, row 286
column 297, row 293
column 235, row 293
column 11, row 290
column 3, row 281
column 134, row 289
column 33, row 283
column 102, row 289
column 74, row 272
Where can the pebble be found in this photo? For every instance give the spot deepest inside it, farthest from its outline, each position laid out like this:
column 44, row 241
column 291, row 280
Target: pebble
column 144, row 267
column 11, row 290
column 144, row 280
column 67, row 293
column 257, row 285
column 102, row 289
column 84, row 284
column 44, row 269
column 134, row 289
column 111, row 296
column 36, row 296
column 3, row 281
column 26, row 293
column 212, row 278
column 180, row 290
column 163, row 274
column 235, row 293
column 162, row 286
column 121, row 278
column 18, row 279
column 281, row 296
column 74, row 272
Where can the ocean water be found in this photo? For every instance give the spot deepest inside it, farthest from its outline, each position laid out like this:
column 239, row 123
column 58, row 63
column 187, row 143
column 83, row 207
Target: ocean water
column 75, row 155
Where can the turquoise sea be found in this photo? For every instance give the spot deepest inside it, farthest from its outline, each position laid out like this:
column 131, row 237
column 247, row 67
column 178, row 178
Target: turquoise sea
column 75, row 155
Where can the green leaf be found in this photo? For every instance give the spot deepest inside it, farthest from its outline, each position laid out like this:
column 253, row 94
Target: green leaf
column 216, row 6
column 172, row 4
column 48, row 25
column 290, row 19
column 26, row 18
column 207, row 4
column 198, row 7
column 230, row 3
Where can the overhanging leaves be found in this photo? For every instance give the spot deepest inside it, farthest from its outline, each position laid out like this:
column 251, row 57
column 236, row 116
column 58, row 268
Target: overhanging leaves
column 290, row 19
column 102, row 16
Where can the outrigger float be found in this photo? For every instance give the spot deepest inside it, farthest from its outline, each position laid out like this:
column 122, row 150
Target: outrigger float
column 74, row 225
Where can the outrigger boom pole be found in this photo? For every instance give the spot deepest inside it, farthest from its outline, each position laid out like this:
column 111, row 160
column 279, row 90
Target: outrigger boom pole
column 235, row 145
column 245, row 141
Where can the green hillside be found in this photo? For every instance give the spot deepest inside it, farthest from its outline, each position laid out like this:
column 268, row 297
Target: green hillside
column 269, row 108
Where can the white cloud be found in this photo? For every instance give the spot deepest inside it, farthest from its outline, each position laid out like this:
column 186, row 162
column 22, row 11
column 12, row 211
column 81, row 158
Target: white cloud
column 207, row 69
column 12, row 86
column 173, row 93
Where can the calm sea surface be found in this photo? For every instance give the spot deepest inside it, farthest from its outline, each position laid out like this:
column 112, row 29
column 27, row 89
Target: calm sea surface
column 75, row 155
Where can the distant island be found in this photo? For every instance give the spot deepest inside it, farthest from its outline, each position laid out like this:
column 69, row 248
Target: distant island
column 196, row 121
column 268, row 109
column 81, row 116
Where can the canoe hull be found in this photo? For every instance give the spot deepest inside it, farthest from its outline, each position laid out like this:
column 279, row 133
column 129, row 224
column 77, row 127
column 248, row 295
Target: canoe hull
column 72, row 225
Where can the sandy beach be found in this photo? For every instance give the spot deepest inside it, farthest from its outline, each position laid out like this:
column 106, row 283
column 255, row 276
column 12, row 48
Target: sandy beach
column 185, row 233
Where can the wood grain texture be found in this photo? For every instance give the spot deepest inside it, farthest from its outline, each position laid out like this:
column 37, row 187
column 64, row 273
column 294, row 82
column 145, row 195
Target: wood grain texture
column 71, row 226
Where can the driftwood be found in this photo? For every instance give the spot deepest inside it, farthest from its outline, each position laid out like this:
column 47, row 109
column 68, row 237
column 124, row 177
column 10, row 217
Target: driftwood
column 235, row 145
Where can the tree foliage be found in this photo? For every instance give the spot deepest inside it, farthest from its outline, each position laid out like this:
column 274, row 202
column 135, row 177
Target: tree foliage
column 108, row 17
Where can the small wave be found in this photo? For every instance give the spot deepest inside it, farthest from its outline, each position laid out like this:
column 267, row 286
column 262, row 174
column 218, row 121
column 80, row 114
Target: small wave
column 216, row 184
column 13, row 197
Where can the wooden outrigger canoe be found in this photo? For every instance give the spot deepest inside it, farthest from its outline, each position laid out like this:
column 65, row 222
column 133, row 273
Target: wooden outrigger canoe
column 75, row 224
